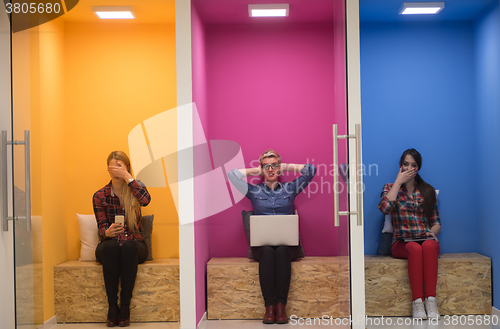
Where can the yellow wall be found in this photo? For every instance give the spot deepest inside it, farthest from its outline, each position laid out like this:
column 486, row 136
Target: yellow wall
column 38, row 71
column 90, row 85
column 53, row 155
column 117, row 76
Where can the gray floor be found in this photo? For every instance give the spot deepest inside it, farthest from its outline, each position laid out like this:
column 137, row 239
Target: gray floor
column 373, row 323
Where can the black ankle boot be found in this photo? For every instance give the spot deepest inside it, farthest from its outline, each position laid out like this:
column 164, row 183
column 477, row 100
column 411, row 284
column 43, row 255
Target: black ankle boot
column 124, row 315
column 113, row 311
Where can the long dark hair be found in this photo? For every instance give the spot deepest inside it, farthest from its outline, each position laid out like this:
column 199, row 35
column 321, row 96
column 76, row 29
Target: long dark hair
column 426, row 190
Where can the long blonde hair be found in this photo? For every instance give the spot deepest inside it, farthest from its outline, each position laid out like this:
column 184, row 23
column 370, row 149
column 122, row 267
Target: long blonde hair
column 129, row 201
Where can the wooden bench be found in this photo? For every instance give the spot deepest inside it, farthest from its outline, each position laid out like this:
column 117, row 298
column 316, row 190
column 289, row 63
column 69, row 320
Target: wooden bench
column 463, row 286
column 80, row 295
column 320, row 286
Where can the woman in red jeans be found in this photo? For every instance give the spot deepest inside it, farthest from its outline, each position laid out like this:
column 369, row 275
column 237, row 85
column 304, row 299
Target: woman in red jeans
column 413, row 207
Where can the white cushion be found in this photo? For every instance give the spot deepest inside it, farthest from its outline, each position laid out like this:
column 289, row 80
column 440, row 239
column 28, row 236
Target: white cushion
column 387, row 224
column 388, row 220
column 89, row 237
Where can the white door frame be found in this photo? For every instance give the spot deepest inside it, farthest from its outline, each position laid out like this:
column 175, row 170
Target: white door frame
column 357, row 249
column 187, row 249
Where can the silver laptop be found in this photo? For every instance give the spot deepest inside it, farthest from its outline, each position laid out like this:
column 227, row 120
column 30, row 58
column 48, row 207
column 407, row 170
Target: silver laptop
column 274, row 230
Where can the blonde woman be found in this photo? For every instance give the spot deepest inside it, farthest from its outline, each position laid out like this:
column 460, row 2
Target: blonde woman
column 273, row 198
column 121, row 248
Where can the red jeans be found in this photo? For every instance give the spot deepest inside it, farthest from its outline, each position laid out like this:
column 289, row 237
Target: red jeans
column 422, row 265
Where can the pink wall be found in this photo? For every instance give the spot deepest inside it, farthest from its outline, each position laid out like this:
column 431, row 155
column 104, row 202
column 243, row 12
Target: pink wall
column 200, row 162
column 271, row 85
column 278, row 86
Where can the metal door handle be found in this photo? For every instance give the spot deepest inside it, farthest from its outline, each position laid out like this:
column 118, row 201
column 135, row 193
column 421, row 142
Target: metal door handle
column 359, row 173
column 27, row 180
column 359, row 196
column 4, row 201
column 335, row 177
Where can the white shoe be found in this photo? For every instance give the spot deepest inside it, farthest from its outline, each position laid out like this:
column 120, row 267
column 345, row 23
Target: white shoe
column 431, row 307
column 418, row 309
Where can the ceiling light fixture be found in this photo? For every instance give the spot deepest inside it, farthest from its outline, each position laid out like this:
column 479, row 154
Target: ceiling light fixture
column 268, row 10
column 409, row 8
column 114, row 12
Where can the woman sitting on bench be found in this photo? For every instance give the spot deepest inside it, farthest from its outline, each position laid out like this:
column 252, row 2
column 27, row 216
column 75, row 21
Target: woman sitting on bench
column 415, row 216
column 273, row 198
column 121, row 248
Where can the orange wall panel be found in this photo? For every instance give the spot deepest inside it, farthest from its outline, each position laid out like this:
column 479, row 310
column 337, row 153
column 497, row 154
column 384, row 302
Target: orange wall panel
column 116, row 76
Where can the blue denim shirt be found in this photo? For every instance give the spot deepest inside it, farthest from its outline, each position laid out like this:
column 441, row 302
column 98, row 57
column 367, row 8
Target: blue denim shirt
column 273, row 202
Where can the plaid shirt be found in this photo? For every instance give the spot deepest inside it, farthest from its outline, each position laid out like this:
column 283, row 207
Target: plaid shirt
column 407, row 213
column 107, row 206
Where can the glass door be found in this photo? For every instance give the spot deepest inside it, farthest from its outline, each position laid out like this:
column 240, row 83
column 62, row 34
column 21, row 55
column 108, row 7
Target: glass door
column 347, row 164
column 22, row 290
column 27, row 228
column 290, row 84
column 341, row 165
column 7, row 311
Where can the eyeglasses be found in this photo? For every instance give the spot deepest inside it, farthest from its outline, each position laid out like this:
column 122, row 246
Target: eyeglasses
column 269, row 166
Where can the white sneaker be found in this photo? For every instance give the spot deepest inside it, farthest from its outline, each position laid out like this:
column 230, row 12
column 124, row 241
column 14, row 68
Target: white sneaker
column 431, row 307
column 418, row 309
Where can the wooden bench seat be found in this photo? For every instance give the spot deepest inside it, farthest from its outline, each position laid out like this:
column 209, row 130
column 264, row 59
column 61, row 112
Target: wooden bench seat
column 463, row 286
column 80, row 295
column 320, row 286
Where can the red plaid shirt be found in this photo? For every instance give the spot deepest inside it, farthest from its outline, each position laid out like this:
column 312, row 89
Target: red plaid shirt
column 408, row 220
column 107, row 206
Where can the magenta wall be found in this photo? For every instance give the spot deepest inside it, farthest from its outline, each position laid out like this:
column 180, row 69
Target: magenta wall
column 279, row 86
column 200, row 161
column 270, row 85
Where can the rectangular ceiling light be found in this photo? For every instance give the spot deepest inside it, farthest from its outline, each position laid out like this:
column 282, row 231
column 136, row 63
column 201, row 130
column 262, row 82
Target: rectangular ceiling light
column 268, row 10
column 411, row 8
column 114, row 12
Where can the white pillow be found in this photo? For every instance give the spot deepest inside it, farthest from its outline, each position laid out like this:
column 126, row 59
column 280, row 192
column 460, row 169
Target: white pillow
column 89, row 237
column 388, row 220
column 387, row 224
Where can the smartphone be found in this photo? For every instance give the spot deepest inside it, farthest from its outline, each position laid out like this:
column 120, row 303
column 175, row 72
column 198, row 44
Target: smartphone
column 120, row 219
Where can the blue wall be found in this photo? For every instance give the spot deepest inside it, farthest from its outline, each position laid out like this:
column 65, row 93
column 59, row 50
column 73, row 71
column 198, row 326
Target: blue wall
column 487, row 65
column 418, row 90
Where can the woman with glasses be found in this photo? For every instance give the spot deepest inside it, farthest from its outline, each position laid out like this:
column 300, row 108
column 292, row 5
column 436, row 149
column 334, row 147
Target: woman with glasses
column 415, row 218
column 273, row 198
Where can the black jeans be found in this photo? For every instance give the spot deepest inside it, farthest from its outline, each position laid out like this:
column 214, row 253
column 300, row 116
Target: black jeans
column 120, row 262
column 275, row 271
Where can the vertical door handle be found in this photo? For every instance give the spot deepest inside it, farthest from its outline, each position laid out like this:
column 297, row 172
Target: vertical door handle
column 335, row 177
column 27, row 180
column 3, row 178
column 359, row 173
